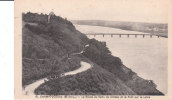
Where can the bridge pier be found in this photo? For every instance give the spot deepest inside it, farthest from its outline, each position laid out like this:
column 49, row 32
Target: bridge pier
column 127, row 35
column 135, row 35
column 151, row 36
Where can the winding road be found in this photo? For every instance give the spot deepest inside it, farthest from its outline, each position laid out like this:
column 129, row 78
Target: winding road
column 29, row 89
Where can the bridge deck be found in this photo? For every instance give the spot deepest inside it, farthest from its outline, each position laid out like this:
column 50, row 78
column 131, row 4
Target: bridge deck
column 121, row 34
column 113, row 34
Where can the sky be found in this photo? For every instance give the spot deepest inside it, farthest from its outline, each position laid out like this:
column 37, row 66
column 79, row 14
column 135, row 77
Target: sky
column 116, row 10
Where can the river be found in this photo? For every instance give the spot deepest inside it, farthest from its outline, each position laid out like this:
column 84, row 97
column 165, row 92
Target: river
column 148, row 57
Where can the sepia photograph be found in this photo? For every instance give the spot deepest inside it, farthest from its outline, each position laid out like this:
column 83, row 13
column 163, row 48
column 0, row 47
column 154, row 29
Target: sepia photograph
column 91, row 47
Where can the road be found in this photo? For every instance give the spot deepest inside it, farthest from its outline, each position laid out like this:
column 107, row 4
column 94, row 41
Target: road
column 29, row 89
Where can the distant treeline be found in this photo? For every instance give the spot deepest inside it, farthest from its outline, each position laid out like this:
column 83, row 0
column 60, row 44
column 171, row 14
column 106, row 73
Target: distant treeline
column 153, row 28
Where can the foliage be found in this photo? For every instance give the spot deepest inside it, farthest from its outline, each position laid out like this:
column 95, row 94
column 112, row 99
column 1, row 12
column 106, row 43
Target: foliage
column 94, row 81
column 45, row 51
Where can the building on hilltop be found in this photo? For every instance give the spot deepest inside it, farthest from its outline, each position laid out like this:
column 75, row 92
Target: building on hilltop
column 49, row 16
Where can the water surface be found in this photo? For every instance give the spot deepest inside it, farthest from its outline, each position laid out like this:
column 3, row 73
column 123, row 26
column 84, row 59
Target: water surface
column 147, row 56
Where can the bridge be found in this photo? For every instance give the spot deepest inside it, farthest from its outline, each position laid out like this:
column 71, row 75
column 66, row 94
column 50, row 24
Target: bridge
column 121, row 34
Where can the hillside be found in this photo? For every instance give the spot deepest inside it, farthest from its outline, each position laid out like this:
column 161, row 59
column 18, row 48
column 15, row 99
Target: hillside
column 160, row 29
column 46, row 47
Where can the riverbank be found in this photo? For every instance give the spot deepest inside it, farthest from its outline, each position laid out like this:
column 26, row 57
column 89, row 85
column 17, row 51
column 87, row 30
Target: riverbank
column 143, row 55
column 50, row 47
